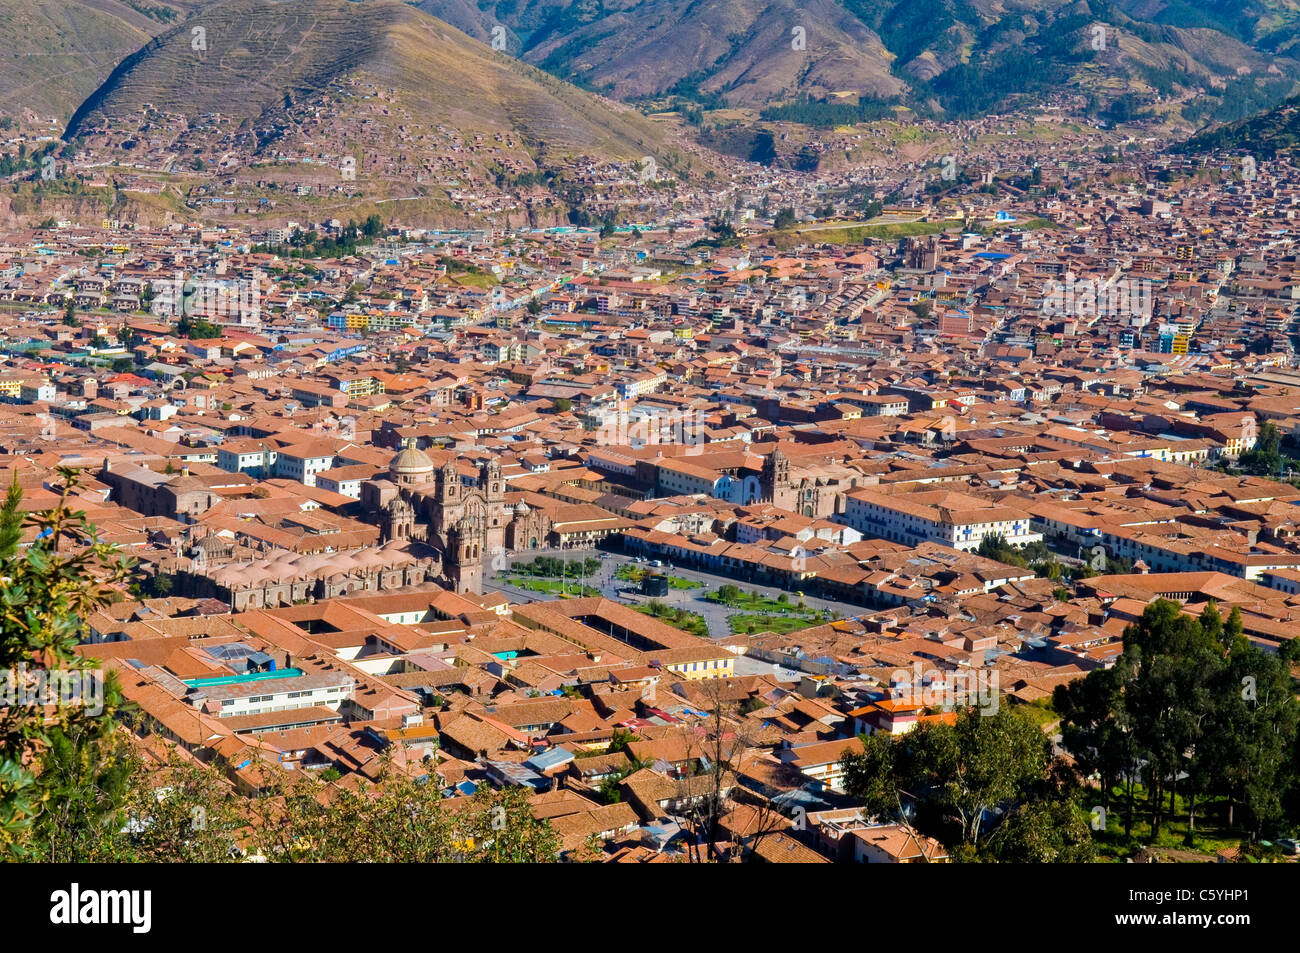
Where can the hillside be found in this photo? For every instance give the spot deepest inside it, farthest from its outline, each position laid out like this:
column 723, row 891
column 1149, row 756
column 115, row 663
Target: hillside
column 266, row 60
column 948, row 57
column 1267, row 24
column 741, row 49
column 59, row 51
column 1263, row 136
column 293, row 108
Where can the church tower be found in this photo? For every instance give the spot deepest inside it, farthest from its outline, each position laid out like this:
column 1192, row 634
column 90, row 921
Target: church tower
column 448, row 485
column 464, row 557
column 775, row 480
column 493, row 487
column 398, row 520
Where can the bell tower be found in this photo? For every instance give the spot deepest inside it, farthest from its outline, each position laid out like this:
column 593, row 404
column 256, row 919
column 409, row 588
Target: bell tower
column 775, row 481
column 448, row 483
column 398, row 519
column 493, row 487
column 464, row 559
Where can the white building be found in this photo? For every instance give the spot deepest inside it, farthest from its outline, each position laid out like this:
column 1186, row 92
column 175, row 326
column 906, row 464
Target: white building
column 951, row 518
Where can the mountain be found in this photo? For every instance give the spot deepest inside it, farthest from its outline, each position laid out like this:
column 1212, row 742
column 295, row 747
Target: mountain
column 265, row 62
column 741, row 49
column 58, row 51
column 949, row 57
column 290, row 108
column 1267, row 24
column 1263, row 135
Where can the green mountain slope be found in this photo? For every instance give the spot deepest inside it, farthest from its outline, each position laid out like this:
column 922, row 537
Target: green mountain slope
column 1263, row 136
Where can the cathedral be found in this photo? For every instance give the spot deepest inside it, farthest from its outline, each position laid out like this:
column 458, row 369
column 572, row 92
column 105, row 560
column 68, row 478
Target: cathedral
column 466, row 521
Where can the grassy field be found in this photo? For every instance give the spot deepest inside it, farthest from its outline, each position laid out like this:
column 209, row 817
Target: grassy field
column 753, row 602
column 679, row 618
column 1212, row 832
column 630, row 573
column 552, row 587
column 745, row 623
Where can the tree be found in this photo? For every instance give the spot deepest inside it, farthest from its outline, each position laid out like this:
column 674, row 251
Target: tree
column 181, row 810
column 977, row 763
column 1266, row 457
column 955, row 773
column 719, row 748
column 1044, row 832
column 784, row 218
column 1199, row 708
column 197, row 328
column 562, row 405
column 399, row 820
column 1172, row 661
column 47, row 593
column 86, row 770
column 70, row 312
column 1097, row 730
column 1247, row 750
column 874, row 776
column 997, row 548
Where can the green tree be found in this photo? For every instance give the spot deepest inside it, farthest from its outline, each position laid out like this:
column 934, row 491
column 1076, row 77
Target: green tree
column 1204, row 712
column 400, row 820
column 181, row 811
column 996, row 547
column 874, row 777
column 977, row 763
column 957, row 772
column 1173, row 662
column 1249, row 739
column 47, row 592
column 86, row 770
column 728, row 594
column 1097, row 729
column 1266, row 457
column 1052, row 831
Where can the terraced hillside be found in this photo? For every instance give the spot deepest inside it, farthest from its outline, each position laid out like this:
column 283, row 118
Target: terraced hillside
column 264, row 63
column 57, row 52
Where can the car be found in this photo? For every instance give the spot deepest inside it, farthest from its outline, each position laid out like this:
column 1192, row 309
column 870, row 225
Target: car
column 656, row 563
column 1289, row 845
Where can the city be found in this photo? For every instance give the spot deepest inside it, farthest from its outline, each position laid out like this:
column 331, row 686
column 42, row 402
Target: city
column 894, row 490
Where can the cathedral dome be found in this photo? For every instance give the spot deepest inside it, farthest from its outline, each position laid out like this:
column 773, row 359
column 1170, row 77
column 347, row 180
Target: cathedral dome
column 410, row 462
column 521, row 508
